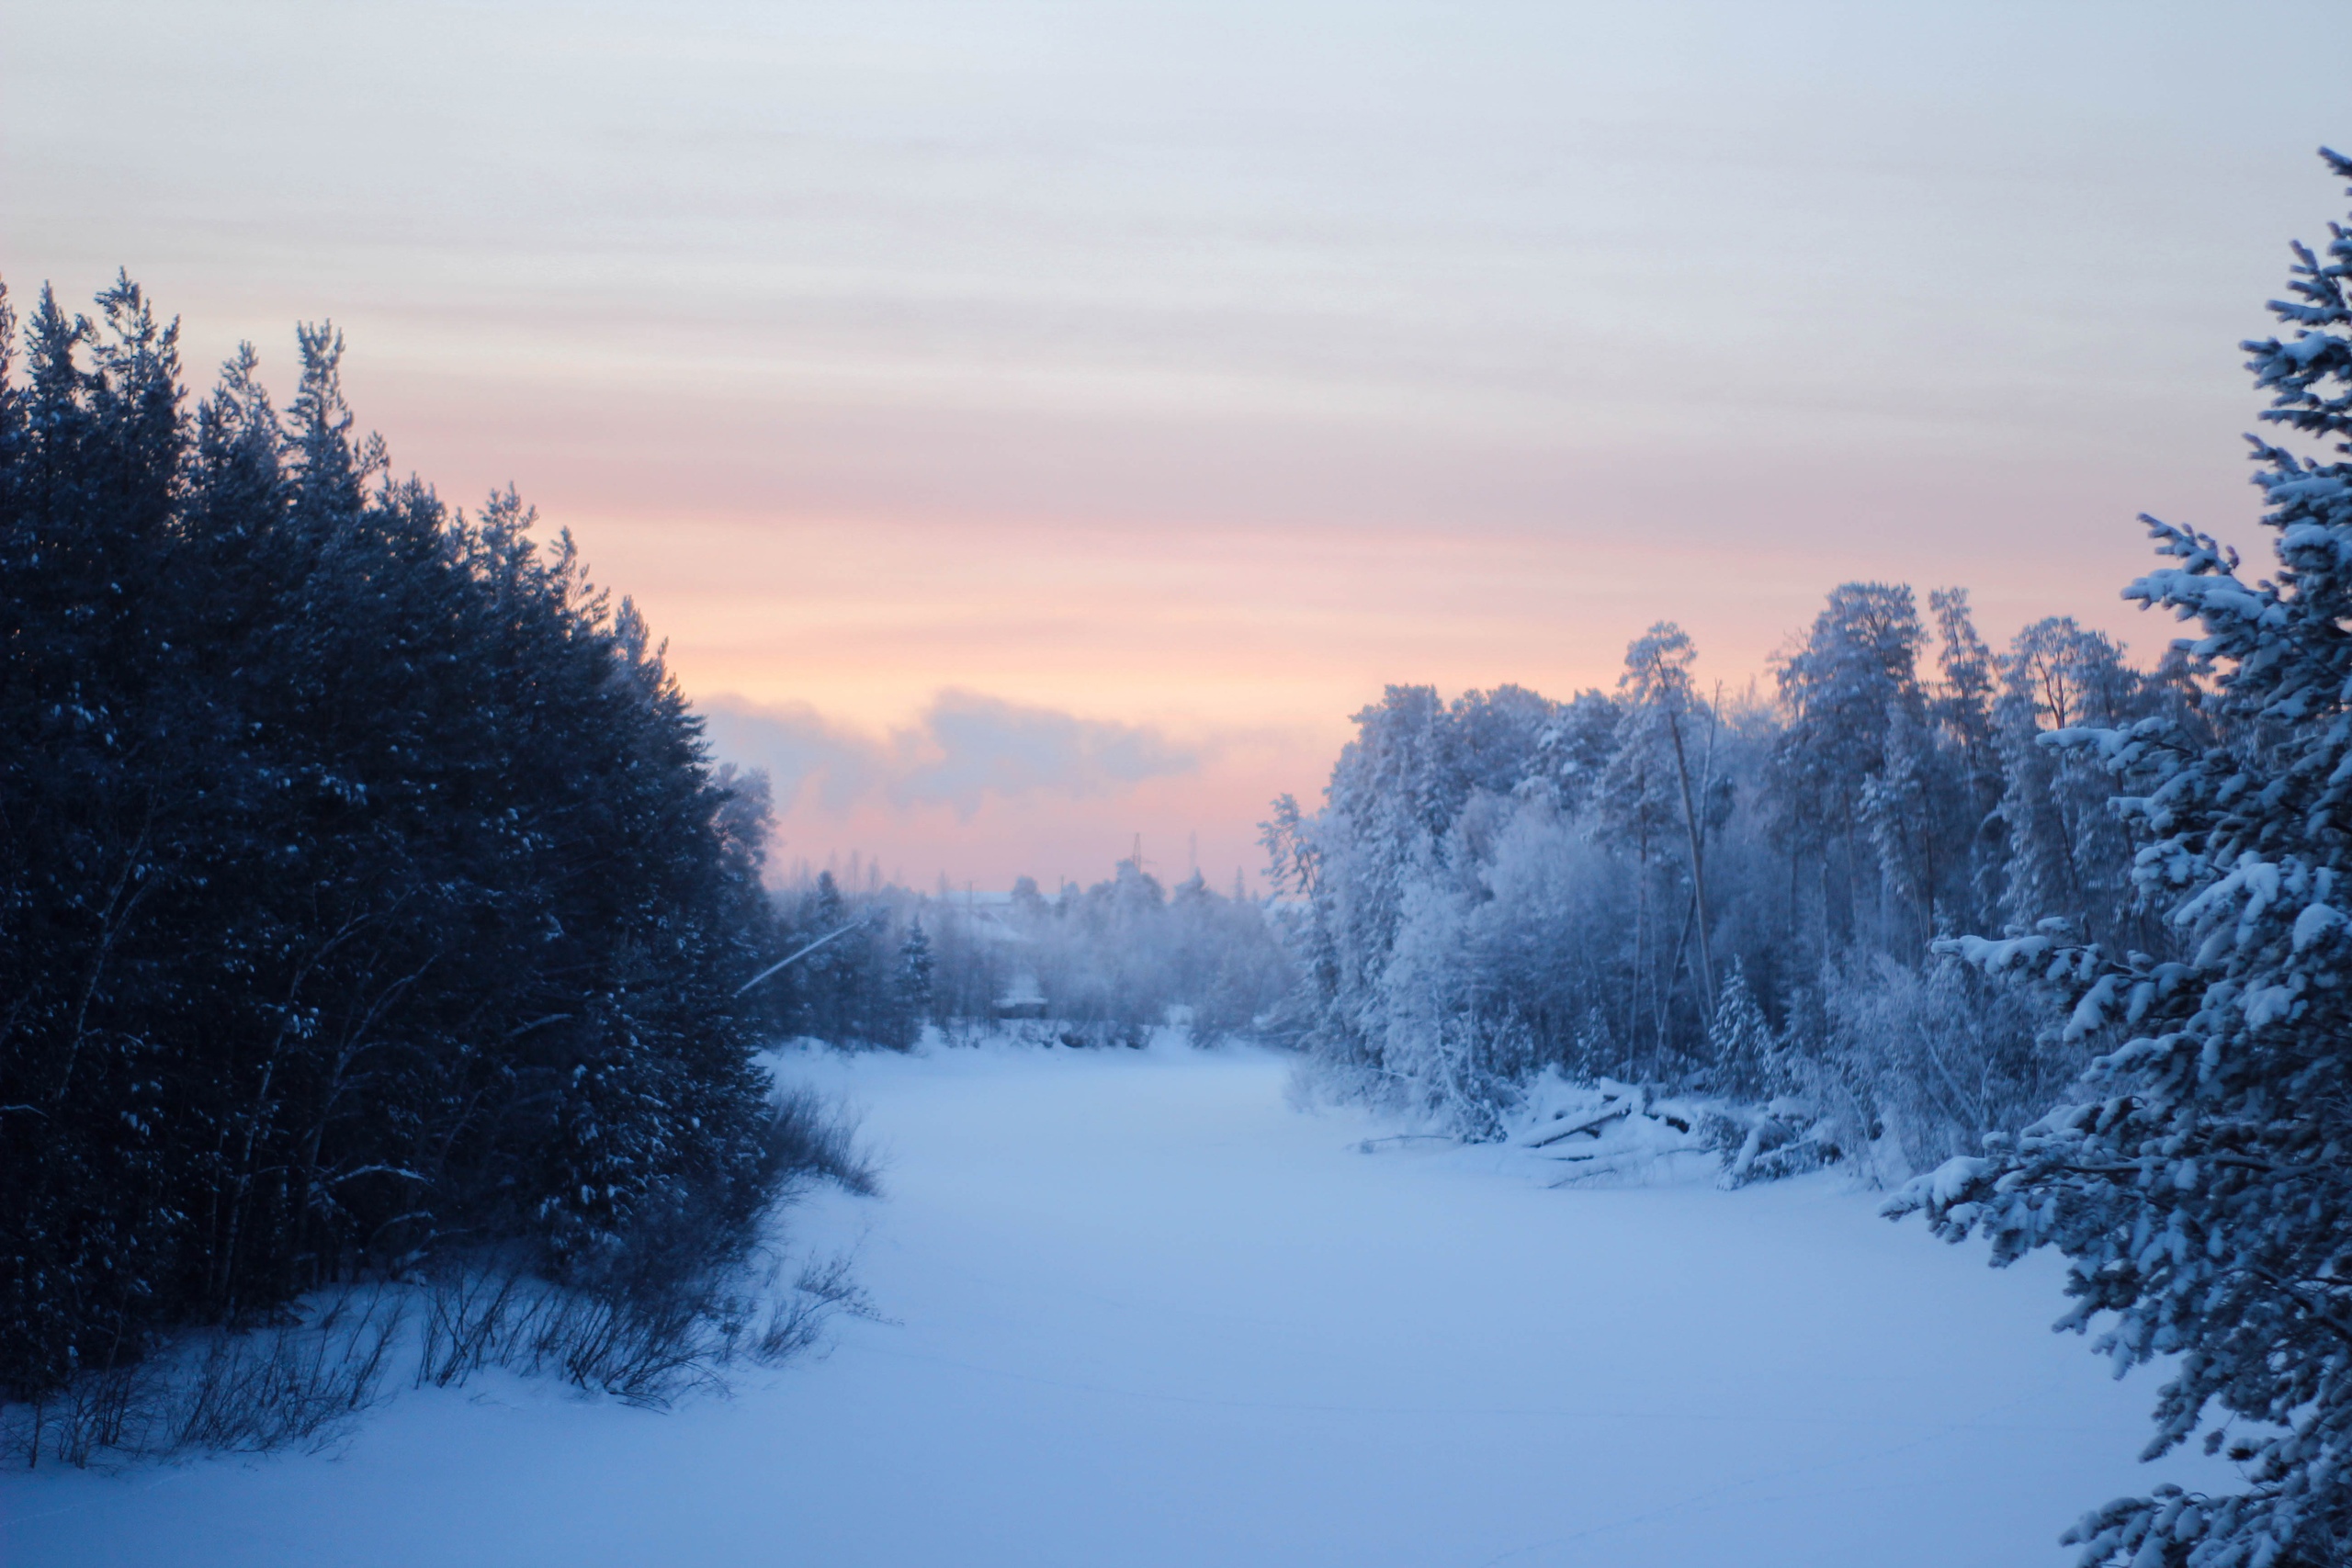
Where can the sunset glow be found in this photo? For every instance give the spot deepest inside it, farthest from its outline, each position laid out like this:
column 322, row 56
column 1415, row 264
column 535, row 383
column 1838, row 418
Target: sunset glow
column 1202, row 369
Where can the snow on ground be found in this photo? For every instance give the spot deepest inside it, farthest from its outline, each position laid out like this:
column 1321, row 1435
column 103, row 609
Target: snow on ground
column 1148, row 1314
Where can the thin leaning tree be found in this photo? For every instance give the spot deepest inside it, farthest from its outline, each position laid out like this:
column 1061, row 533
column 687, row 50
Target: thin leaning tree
column 2203, row 1186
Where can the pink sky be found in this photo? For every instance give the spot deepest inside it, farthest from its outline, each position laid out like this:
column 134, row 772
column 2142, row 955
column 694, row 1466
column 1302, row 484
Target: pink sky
column 1158, row 381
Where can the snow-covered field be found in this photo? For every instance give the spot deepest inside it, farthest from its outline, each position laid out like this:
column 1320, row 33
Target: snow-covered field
column 1145, row 1313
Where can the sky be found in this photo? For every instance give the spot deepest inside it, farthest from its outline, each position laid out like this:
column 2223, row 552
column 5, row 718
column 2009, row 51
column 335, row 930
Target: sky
column 1034, row 425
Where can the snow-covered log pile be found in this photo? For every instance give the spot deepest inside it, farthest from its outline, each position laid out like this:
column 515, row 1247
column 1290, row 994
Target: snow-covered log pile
column 1608, row 1133
column 1611, row 1131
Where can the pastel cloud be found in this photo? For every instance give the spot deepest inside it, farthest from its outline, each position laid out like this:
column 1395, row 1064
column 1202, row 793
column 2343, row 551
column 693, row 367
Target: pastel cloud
column 962, row 749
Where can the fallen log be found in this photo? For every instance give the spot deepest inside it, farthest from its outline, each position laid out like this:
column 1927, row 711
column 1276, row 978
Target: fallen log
column 1590, row 1124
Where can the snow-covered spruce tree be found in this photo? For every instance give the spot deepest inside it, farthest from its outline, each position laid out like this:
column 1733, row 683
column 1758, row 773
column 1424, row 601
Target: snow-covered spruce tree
column 2202, row 1184
column 1746, row 1050
column 914, row 983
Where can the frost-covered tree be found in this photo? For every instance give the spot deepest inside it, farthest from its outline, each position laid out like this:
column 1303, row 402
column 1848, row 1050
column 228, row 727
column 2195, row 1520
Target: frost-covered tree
column 1962, row 709
column 1557, row 908
column 2068, row 852
column 2200, row 1179
column 1655, row 796
column 1502, row 879
column 1859, row 664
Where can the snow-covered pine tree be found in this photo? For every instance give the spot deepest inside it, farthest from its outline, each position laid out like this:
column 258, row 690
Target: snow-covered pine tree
column 2203, row 1183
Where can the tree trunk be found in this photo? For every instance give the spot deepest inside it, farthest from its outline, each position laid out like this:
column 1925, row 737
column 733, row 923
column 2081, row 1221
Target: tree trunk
column 1698, row 853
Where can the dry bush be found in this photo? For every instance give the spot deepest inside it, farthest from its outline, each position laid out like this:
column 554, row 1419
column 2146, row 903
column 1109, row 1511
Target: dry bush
column 299, row 1383
column 811, row 1136
column 643, row 1347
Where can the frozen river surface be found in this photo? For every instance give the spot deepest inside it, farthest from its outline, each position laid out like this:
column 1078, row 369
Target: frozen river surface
column 1143, row 1314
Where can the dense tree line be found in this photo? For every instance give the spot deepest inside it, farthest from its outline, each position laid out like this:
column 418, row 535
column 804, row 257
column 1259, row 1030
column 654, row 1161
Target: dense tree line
column 1647, row 882
column 365, row 893
column 2063, row 941
column 1094, row 965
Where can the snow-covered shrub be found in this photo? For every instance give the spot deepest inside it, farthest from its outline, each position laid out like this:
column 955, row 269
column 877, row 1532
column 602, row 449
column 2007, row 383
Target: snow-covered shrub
column 1920, row 1063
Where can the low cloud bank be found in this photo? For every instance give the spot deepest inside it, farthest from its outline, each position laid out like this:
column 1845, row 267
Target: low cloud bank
column 962, row 749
